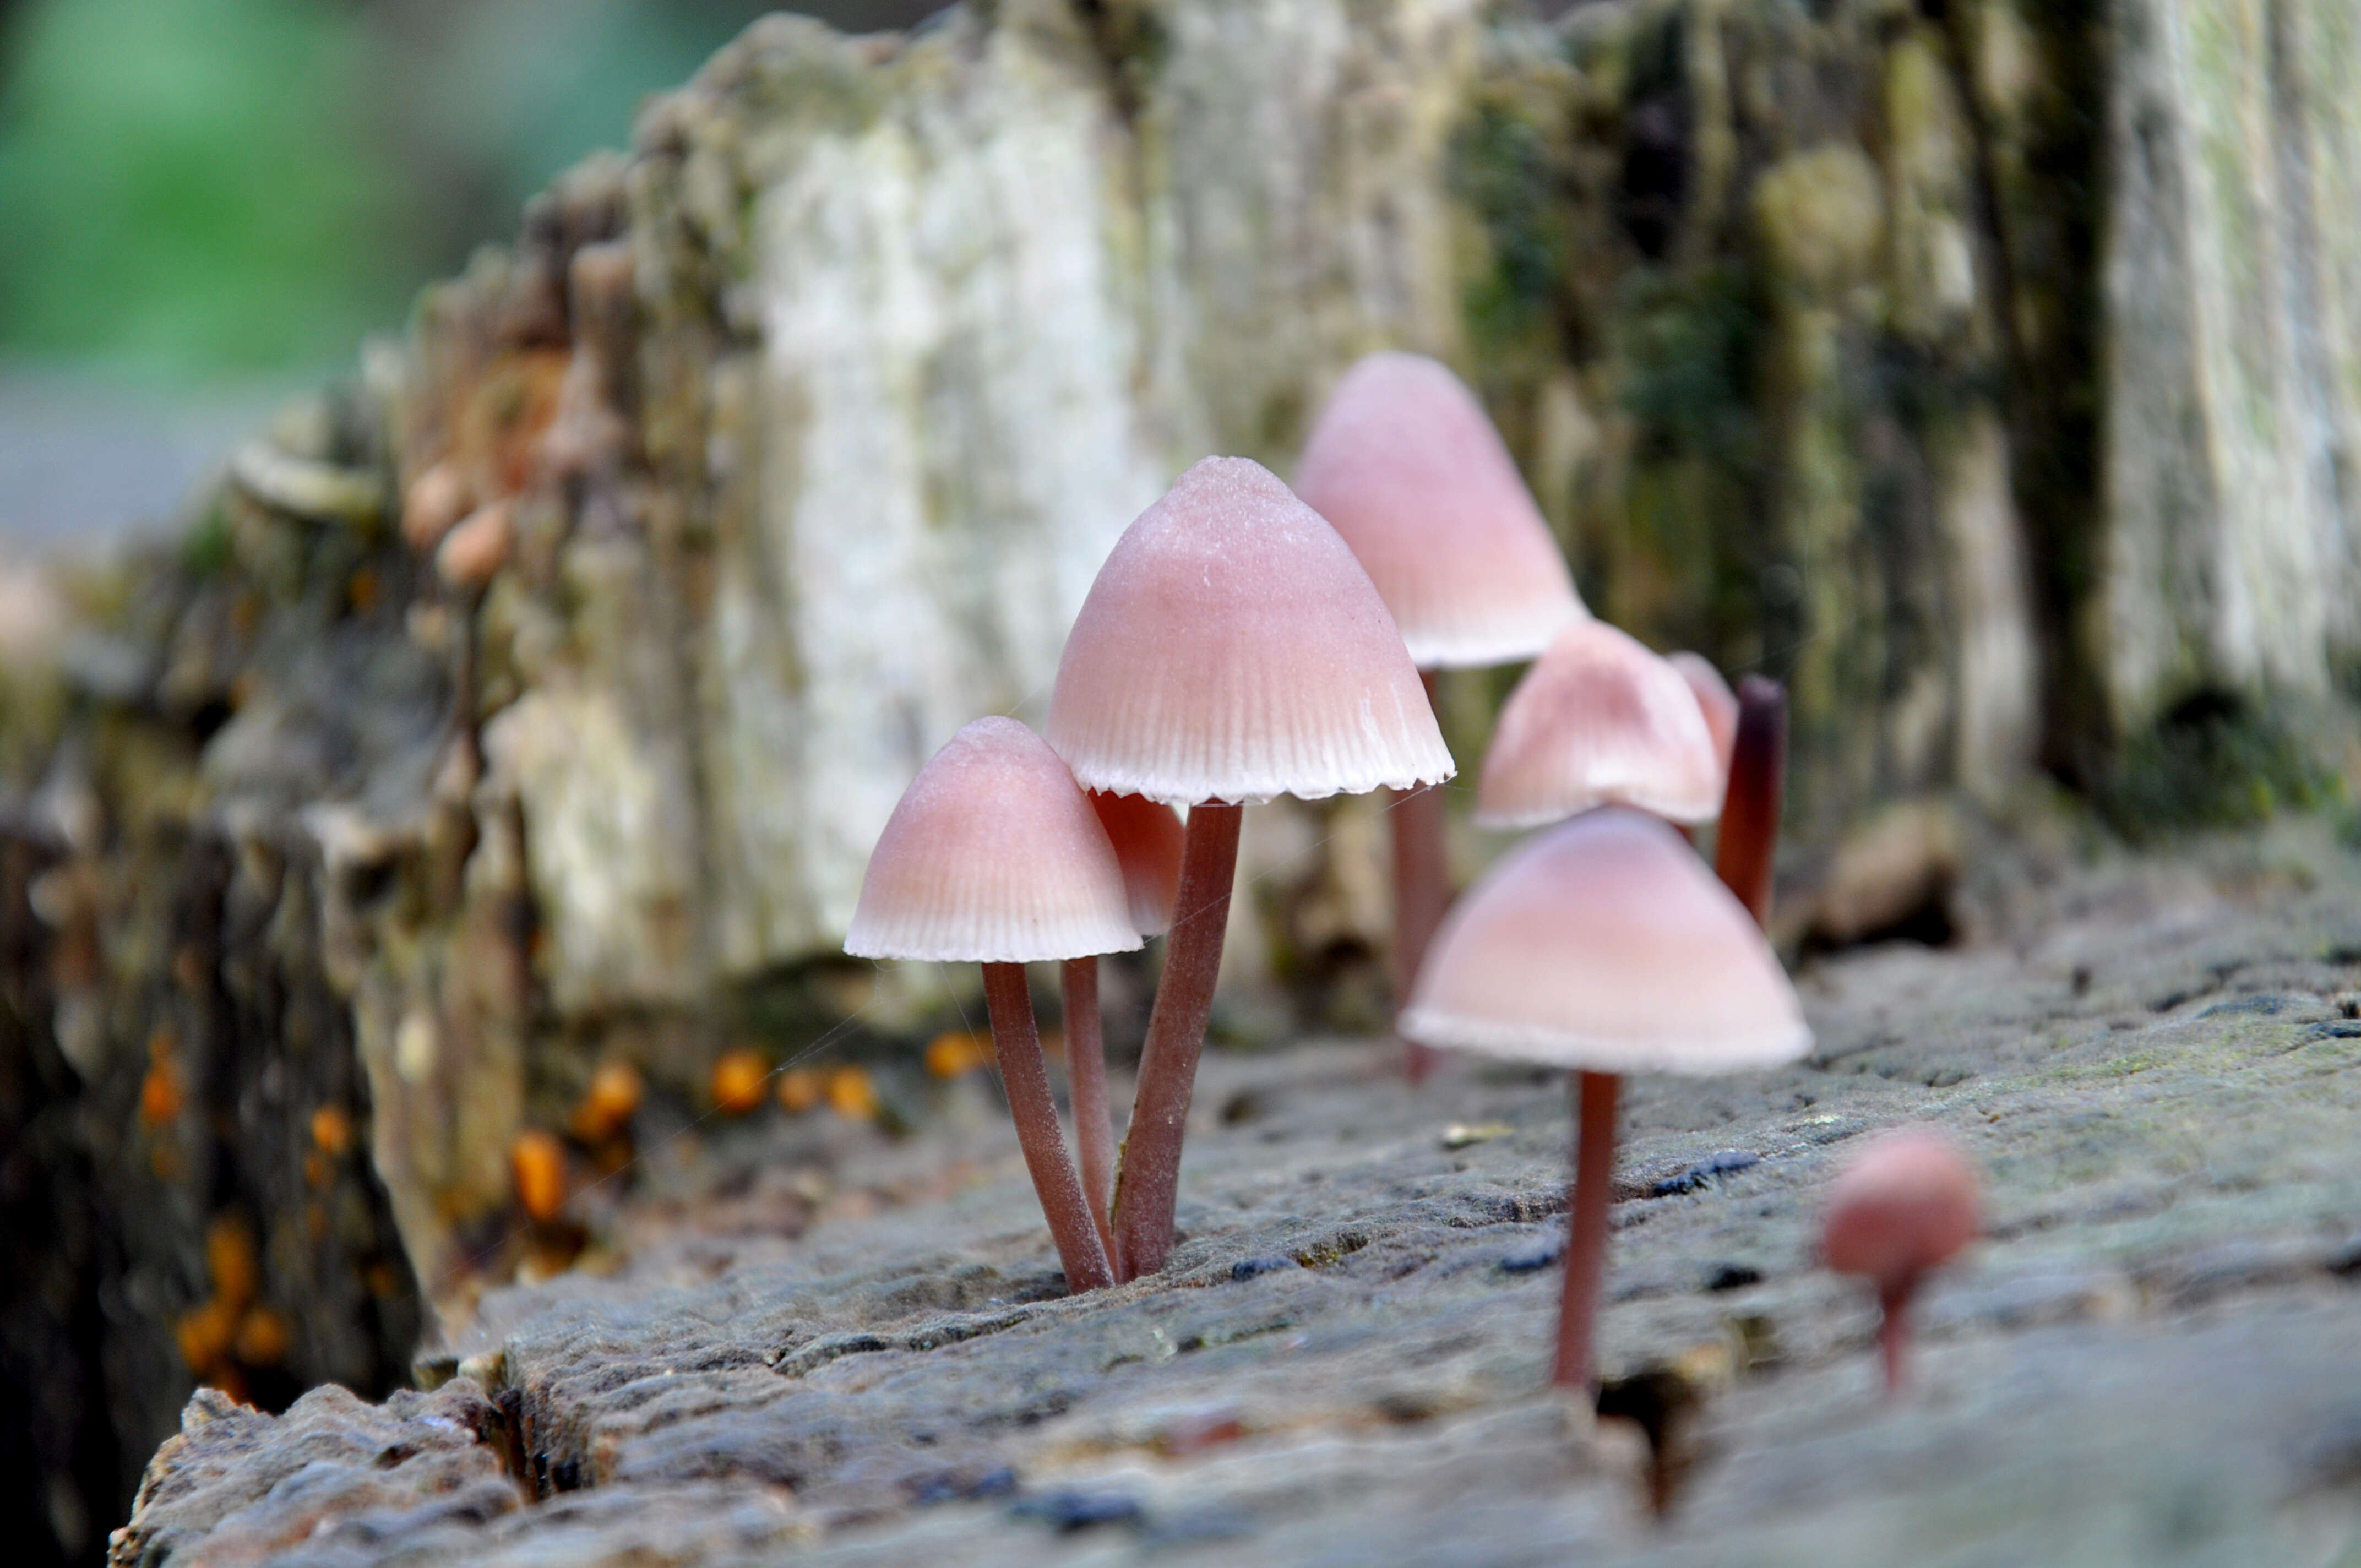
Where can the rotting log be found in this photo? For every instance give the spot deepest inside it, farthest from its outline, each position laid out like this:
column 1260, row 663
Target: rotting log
column 1985, row 375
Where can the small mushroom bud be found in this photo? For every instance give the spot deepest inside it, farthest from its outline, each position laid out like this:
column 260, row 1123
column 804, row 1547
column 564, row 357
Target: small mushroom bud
column 437, row 502
column 1905, row 1205
column 478, row 548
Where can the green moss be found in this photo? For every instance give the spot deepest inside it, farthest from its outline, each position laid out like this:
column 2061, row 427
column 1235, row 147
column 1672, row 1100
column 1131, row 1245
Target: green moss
column 1688, row 343
column 1504, row 169
column 1687, row 346
column 2215, row 759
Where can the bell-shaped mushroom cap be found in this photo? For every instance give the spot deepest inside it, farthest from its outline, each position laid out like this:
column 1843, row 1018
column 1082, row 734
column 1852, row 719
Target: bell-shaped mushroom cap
column 1146, row 839
column 1404, row 461
column 1605, row 944
column 1233, row 650
column 1715, row 700
column 1598, row 720
column 1905, row 1204
column 991, row 856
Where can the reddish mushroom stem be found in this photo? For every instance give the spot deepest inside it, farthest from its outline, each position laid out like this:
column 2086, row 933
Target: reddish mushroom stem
column 1894, row 1329
column 1421, row 892
column 1586, row 1242
column 1086, row 1076
column 1149, row 1180
column 1749, row 837
column 1018, row 1044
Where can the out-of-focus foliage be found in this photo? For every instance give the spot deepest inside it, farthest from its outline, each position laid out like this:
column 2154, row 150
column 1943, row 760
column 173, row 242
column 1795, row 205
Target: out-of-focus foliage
column 199, row 185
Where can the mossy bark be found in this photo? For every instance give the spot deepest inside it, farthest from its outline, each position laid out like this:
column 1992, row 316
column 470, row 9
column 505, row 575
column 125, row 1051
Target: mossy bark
column 1986, row 372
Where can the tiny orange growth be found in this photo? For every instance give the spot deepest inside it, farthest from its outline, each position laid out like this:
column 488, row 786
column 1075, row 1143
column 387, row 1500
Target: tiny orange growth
column 317, row 1171
column 800, row 1089
column 851, row 1095
column 160, row 1093
column 957, row 1051
column 738, row 1081
column 229, row 1259
column 261, row 1337
column 613, row 1095
column 203, row 1334
column 332, row 1131
column 539, row 1161
column 362, row 590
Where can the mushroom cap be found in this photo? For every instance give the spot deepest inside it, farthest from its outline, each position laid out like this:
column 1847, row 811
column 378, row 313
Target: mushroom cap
column 1598, row 720
column 1605, row 944
column 1715, row 700
column 1405, row 463
column 1146, row 839
column 991, row 856
column 1233, row 650
column 1905, row 1204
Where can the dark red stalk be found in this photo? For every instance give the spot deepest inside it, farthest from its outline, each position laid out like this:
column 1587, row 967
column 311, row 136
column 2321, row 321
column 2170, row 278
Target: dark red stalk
column 1086, row 1076
column 1894, row 1331
column 1421, row 892
column 1018, row 1044
column 1748, row 841
column 1586, row 1242
column 1149, row 1181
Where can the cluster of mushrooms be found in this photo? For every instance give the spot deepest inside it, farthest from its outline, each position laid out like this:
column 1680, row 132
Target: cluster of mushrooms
column 1245, row 641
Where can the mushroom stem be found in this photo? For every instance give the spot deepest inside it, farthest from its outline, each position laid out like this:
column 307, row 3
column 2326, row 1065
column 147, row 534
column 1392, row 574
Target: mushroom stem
column 1086, row 1076
column 1018, row 1044
column 1586, row 1244
column 1749, row 836
column 1894, row 1329
column 1422, row 892
column 1149, row 1180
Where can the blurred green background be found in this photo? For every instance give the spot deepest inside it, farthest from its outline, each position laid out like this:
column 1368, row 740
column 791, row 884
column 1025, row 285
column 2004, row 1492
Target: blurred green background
column 198, row 188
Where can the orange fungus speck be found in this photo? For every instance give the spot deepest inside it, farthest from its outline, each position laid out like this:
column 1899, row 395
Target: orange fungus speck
column 613, row 1095
column 852, row 1094
column 738, row 1081
column 950, row 1055
column 539, row 1160
column 261, row 1338
column 332, row 1131
column 800, row 1089
column 229, row 1259
column 159, row 1094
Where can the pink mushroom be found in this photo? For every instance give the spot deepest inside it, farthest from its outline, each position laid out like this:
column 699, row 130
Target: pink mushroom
column 1231, row 650
column 993, row 856
column 1905, row 1204
column 1146, row 840
column 1603, row 944
column 1746, row 843
column 1598, row 720
column 1715, row 700
column 1406, row 464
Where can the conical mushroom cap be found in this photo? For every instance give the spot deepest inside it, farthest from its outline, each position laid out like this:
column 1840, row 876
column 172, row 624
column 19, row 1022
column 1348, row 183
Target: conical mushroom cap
column 1146, row 839
column 1598, row 720
column 1905, row 1204
column 1715, row 700
column 1233, row 650
column 1407, row 466
column 1605, row 944
column 991, row 856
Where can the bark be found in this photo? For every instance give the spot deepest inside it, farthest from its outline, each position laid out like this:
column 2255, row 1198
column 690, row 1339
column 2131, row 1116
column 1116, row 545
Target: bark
column 1985, row 373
